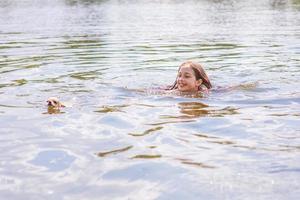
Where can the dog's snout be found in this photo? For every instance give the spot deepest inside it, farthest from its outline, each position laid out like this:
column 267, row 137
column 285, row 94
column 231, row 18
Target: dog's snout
column 54, row 102
column 50, row 103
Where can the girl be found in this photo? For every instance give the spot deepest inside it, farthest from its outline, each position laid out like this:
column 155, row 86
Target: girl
column 191, row 78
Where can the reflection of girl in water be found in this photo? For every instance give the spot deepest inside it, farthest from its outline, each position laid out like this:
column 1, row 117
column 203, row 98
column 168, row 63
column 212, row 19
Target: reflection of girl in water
column 191, row 78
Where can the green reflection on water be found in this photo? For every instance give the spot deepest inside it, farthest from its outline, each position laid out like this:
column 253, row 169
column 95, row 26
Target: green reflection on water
column 20, row 82
column 198, row 164
column 146, row 156
column 147, row 131
column 107, row 109
column 103, row 154
column 89, row 75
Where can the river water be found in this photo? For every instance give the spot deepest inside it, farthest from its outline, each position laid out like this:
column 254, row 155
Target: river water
column 120, row 140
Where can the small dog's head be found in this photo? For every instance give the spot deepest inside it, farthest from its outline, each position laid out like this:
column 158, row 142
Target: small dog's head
column 54, row 102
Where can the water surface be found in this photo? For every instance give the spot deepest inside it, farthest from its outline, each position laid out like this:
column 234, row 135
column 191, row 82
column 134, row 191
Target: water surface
column 121, row 140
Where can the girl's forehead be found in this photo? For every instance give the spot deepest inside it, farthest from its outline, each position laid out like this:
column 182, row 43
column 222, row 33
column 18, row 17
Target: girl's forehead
column 187, row 69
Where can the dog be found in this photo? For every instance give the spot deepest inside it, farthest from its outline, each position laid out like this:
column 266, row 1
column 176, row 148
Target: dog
column 54, row 102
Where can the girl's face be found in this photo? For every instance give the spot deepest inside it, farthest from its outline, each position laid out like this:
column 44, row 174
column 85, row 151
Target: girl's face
column 186, row 80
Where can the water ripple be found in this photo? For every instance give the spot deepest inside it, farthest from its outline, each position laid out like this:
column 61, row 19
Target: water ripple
column 121, row 139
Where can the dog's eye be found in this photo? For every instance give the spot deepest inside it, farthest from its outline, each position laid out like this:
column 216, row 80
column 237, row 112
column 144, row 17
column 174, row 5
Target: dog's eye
column 55, row 102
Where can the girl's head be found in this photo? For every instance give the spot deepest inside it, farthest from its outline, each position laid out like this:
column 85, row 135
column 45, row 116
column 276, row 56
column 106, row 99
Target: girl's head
column 191, row 77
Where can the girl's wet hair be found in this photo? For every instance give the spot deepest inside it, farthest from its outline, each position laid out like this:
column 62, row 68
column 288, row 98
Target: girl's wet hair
column 199, row 74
